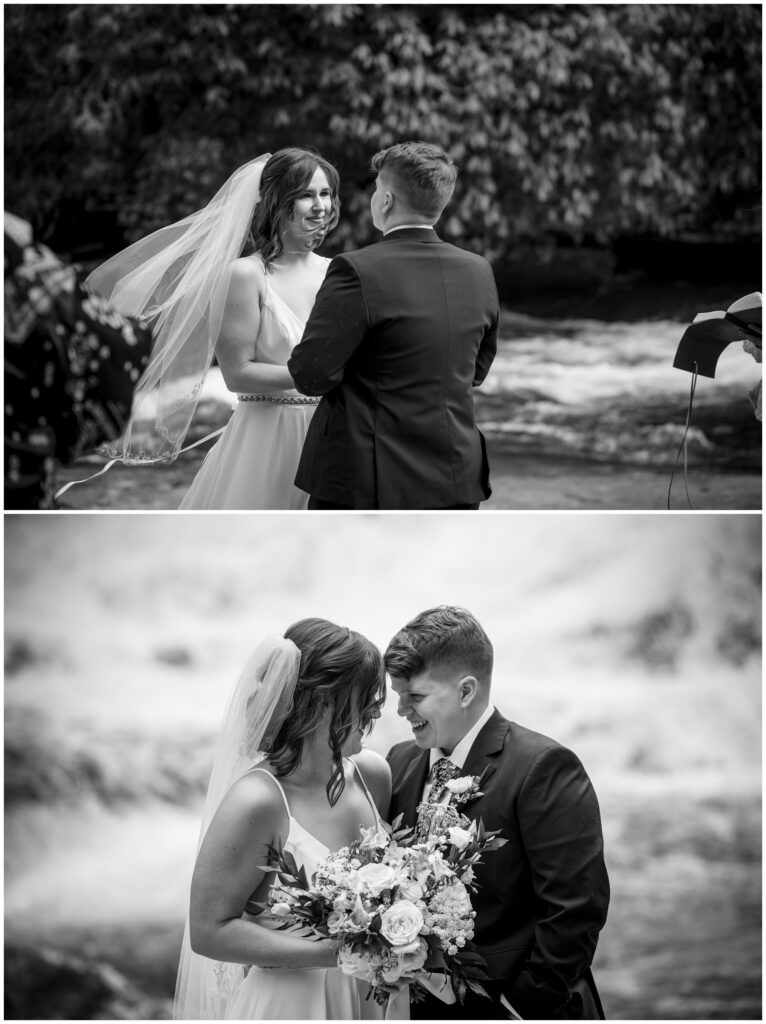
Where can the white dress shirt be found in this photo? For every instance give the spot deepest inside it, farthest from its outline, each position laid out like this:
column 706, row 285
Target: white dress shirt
column 401, row 227
column 459, row 754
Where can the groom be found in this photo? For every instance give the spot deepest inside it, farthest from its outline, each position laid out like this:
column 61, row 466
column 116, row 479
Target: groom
column 400, row 334
column 543, row 896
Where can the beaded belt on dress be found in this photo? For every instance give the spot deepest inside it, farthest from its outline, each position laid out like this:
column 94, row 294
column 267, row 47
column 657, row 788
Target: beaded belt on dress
column 281, row 399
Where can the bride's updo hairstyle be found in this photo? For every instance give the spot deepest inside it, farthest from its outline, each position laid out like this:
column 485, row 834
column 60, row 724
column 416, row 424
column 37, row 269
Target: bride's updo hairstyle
column 285, row 177
column 340, row 671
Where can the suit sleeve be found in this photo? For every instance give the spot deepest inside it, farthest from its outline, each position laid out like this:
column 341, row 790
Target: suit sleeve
column 334, row 331
column 561, row 829
column 488, row 345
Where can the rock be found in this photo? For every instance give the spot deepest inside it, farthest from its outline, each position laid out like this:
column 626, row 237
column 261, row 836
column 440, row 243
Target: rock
column 46, row 984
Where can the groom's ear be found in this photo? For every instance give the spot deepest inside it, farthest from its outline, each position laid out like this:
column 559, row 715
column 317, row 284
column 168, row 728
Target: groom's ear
column 469, row 686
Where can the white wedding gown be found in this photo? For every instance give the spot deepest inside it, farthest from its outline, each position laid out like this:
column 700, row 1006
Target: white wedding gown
column 253, row 463
column 323, row 993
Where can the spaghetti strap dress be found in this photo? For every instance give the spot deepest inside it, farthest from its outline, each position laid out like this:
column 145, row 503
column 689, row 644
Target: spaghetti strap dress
column 324, row 993
column 254, row 462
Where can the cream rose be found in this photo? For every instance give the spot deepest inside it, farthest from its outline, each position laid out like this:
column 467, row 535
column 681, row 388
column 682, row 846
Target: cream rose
column 401, row 923
column 406, row 961
column 412, row 959
column 409, row 889
column 375, row 877
column 356, row 964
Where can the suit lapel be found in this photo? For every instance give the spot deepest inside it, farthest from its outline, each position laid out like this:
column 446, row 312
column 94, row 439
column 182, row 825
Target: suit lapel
column 411, row 787
column 487, row 745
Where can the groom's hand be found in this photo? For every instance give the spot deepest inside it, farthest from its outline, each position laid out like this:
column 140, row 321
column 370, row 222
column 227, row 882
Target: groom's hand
column 334, row 331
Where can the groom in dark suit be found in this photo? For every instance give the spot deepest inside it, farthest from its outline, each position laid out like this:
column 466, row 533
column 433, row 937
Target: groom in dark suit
column 400, row 334
column 543, row 896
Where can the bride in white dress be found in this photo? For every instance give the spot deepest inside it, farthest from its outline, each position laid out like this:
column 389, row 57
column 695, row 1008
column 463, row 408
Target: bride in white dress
column 204, row 298
column 289, row 767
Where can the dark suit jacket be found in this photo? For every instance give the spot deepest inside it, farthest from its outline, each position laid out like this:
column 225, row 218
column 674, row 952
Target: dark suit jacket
column 543, row 896
column 399, row 335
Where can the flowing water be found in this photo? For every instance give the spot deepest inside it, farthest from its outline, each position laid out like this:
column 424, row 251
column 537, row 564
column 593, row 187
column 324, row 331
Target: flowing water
column 608, row 392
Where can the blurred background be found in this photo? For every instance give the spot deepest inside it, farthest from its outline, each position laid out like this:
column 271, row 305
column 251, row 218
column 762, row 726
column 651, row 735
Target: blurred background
column 610, row 169
column 635, row 640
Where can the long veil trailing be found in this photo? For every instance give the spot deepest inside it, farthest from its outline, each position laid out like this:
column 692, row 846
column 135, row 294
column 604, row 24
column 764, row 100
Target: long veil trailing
column 259, row 703
column 177, row 278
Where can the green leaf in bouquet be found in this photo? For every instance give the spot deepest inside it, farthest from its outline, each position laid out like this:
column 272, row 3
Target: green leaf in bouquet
column 474, row 986
column 396, row 822
column 459, row 987
column 477, row 973
column 465, row 957
column 291, row 864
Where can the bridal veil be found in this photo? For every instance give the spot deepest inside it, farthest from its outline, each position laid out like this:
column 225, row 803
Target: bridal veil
column 261, row 700
column 177, row 279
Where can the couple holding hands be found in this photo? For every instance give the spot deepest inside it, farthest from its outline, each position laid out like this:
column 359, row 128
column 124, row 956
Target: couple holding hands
column 291, row 773
column 354, row 376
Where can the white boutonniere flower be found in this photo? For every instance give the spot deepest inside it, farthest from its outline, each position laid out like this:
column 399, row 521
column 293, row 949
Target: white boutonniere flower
column 461, row 785
column 464, row 788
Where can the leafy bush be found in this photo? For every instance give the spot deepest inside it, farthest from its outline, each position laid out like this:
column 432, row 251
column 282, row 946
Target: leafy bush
column 568, row 122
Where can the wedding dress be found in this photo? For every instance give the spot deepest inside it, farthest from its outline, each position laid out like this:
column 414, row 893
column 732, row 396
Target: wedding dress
column 318, row 994
column 253, row 464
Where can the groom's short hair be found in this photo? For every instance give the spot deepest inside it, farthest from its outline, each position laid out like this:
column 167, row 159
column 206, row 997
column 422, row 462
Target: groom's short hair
column 422, row 174
column 446, row 637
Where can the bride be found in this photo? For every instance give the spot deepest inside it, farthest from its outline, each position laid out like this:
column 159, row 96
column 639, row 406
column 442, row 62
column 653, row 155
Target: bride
column 289, row 767
column 205, row 298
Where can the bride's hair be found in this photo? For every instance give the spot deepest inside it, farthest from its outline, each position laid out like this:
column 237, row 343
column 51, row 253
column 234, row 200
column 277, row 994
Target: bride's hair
column 341, row 671
column 285, row 177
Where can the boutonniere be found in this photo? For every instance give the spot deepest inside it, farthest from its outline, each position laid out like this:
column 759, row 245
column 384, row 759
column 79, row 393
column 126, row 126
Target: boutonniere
column 465, row 788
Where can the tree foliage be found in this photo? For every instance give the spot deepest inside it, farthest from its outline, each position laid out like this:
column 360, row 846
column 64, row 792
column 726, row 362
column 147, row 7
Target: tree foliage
column 567, row 121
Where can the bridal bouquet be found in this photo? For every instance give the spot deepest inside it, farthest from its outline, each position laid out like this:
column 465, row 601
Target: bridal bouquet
column 399, row 909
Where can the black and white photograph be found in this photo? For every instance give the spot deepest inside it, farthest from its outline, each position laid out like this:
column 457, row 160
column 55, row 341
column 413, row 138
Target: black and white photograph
column 382, row 524
column 383, row 256
column 597, row 679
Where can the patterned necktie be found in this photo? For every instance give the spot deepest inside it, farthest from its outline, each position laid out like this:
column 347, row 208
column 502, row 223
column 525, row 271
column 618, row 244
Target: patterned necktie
column 442, row 771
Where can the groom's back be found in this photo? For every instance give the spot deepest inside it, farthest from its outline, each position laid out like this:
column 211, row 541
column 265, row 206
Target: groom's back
column 418, row 318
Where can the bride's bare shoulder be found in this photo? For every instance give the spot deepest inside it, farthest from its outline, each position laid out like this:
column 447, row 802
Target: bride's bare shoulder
column 376, row 774
column 256, row 797
column 248, row 272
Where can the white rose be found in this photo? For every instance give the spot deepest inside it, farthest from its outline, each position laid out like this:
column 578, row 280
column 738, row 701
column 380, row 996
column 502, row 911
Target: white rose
column 413, row 957
column 461, row 785
column 376, row 877
column 401, row 923
column 393, row 970
column 459, row 837
column 409, row 889
column 355, row 964
column 281, row 910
